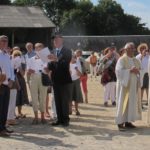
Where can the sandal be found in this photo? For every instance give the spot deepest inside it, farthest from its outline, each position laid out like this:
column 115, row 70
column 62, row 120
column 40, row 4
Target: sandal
column 47, row 115
column 78, row 113
column 21, row 116
column 43, row 121
column 12, row 122
column 35, row 122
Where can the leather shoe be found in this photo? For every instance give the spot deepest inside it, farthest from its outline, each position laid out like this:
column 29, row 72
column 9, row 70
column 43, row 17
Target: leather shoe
column 129, row 125
column 106, row 104
column 57, row 123
column 65, row 124
column 4, row 134
column 114, row 103
column 121, row 127
column 9, row 131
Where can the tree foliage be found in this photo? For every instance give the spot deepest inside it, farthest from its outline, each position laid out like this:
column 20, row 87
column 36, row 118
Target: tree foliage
column 81, row 17
column 77, row 20
column 107, row 18
column 53, row 8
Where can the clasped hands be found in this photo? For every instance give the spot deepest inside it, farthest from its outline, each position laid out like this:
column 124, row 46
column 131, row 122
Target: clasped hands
column 135, row 70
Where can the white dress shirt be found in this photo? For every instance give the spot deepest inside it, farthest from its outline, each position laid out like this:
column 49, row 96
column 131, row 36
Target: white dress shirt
column 144, row 62
column 36, row 64
column 6, row 67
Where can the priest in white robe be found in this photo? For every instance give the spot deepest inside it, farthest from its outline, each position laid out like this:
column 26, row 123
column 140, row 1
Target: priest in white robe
column 129, row 78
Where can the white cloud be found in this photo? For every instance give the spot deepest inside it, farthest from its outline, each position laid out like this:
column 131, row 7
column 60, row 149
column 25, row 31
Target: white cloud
column 136, row 5
column 137, row 8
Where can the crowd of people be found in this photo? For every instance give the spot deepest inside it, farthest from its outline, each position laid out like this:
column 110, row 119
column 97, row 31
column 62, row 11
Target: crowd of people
column 125, row 76
column 64, row 76
column 57, row 80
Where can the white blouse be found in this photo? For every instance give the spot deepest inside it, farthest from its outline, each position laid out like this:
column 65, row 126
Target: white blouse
column 74, row 74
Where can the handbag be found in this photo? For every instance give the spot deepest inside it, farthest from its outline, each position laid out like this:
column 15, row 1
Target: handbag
column 105, row 77
column 45, row 80
column 15, row 84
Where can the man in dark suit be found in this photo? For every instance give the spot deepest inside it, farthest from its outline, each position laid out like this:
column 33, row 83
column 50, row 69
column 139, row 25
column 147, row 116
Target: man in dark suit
column 61, row 78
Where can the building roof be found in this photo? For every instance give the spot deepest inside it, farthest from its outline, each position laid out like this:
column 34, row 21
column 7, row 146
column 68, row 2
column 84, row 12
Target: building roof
column 23, row 17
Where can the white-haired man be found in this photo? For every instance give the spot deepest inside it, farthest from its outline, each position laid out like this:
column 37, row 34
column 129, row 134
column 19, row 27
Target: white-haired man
column 6, row 82
column 129, row 74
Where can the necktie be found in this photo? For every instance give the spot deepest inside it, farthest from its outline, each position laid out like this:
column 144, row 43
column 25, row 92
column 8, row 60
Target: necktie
column 58, row 52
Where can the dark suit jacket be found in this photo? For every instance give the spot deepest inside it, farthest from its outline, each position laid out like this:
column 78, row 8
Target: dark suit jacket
column 61, row 69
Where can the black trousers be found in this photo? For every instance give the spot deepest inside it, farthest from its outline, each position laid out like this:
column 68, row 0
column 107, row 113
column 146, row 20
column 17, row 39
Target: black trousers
column 4, row 103
column 62, row 96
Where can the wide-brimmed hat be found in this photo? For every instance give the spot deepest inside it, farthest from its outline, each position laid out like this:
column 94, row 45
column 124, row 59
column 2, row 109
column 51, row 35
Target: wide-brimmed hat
column 142, row 45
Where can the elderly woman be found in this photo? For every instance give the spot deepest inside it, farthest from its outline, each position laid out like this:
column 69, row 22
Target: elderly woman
column 108, row 79
column 35, row 68
column 84, row 77
column 22, row 97
column 76, row 94
column 143, row 57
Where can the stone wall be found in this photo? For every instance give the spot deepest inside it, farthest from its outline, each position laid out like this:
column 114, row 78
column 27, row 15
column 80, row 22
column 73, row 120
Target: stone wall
column 98, row 43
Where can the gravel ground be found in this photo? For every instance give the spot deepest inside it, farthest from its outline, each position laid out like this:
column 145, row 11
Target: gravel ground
column 95, row 129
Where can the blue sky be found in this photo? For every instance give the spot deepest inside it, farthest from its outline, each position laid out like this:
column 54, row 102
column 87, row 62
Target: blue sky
column 139, row 8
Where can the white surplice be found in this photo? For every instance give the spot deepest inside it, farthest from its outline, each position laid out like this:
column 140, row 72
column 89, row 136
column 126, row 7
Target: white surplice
column 131, row 83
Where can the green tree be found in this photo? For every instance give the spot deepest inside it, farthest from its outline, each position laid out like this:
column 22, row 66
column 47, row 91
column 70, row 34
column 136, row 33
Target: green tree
column 81, row 17
column 111, row 17
column 53, row 8
column 132, row 25
column 5, row 2
column 77, row 21
column 115, row 22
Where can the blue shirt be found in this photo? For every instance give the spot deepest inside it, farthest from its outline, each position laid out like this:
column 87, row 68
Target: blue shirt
column 28, row 55
column 31, row 54
column 6, row 67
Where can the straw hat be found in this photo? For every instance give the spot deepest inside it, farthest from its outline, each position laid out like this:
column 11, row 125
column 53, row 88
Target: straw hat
column 142, row 45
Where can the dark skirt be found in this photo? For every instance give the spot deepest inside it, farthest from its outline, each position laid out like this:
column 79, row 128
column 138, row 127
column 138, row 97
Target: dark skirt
column 145, row 81
column 22, row 96
column 76, row 93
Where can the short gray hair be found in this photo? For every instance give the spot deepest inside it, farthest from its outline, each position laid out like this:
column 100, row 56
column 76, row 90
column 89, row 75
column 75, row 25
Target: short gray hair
column 29, row 43
column 3, row 37
column 129, row 44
